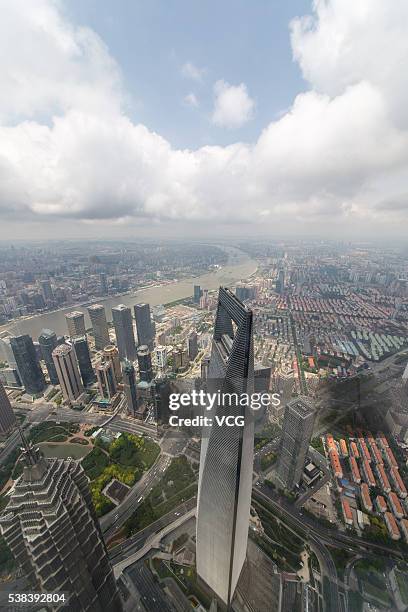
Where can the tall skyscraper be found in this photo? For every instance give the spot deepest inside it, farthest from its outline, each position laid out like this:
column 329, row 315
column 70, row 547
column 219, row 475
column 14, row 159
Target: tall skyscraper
column 144, row 361
column 144, row 327
column 46, row 291
column 160, row 353
column 297, row 431
column 104, row 283
column 197, row 293
column 111, row 353
column 99, row 325
column 192, row 346
column 51, row 528
column 48, row 342
column 125, row 338
column 75, row 323
column 129, row 387
column 106, row 379
column 280, row 283
column 67, row 371
column 84, row 360
column 7, row 352
column 226, row 462
column 28, row 367
column 7, row 418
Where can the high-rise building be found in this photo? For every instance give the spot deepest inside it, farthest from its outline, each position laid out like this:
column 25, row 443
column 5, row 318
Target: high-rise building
column 160, row 353
column 7, row 352
column 280, row 283
column 104, row 283
column 51, row 528
column 99, row 325
column 297, row 430
column 130, row 387
column 144, row 327
column 192, row 346
column 144, row 361
column 180, row 358
column 46, row 291
column 75, row 323
column 84, row 360
column 111, row 353
column 106, row 379
column 48, row 342
column 28, row 367
column 197, row 293
column 67, row 371
column 125, row 338
column 7, row 418
column 226, row 462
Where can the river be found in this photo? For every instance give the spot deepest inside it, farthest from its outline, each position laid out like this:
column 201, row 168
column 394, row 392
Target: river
column 239, row 267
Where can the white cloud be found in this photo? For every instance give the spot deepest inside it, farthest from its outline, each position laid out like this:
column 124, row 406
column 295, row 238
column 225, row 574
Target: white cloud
column 339, row 155
column 233, row 107
column 191, row 100
column 190, row 71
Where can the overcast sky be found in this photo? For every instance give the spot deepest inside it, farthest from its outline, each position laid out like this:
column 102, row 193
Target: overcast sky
column 145, row 118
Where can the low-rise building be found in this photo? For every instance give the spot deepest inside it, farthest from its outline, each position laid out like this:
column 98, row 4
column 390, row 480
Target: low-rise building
column 398, row 483
column 347, row 513
column 365, row 497
column 383, row 478
column 392, row 526
column 335, row 464
column 381, row 504
column 395, row 505
column 368, row 473
column 355, row 471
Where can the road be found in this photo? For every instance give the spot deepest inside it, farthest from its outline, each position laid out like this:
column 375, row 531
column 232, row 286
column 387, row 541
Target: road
column 114, row 520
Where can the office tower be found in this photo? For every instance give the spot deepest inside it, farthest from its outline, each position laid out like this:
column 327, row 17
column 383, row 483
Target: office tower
column 7, row 418
column 48, row 342
column 297, row 431
column 10, row 377
column 67, row 371
column 144, row 327
column 84, row 360
column 106, row 379
column 180, row 358
column 46, row 291
column 125, row 338
column 144, row 361
column 160, row 353
column 99, row 326
column 75, row 323
column 7, row 352
column 111, row 353
column 129, row 387
column 51, row 528
column 104, row 283
column 226, row 462
column 192, row 346
column 280, row 283
column 197, row 294
column 28, row 367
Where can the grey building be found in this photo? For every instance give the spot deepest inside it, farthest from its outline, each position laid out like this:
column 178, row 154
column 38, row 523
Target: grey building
column 130, row 387
column 226, row 461
column 84, row 360
column 106, row 379
column 48, row 342
column 297, row 430
column 31, row 374
column 46, row 291
column 51, row 528
column 192, row 346
column 125, row 337
column 75, row 323
column 100, row 328
column 197, row 293
column 7, row 418
column 144, row 361
column 144, row 326
column 67, row 371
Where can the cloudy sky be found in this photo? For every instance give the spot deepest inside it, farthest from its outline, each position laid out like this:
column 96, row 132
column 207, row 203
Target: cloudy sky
column 153, row 117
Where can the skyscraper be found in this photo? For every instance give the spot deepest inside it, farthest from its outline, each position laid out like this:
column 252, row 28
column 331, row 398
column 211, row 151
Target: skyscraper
column 51, row 528
column 48, row 342
column 46, row 291
column 192, row 346
column 106, row 379
column 84, row 360
column 29, row 369
column 125, row 338
column 104, row 283
column 99, row 325
column 297, row 431
column 144, row 361
column 144, row 327
column 67, row 371
column 129, row 387
column 7, row 418
column 75, row 323
column 226, row 462
column 197, row 293
column 110, row 353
